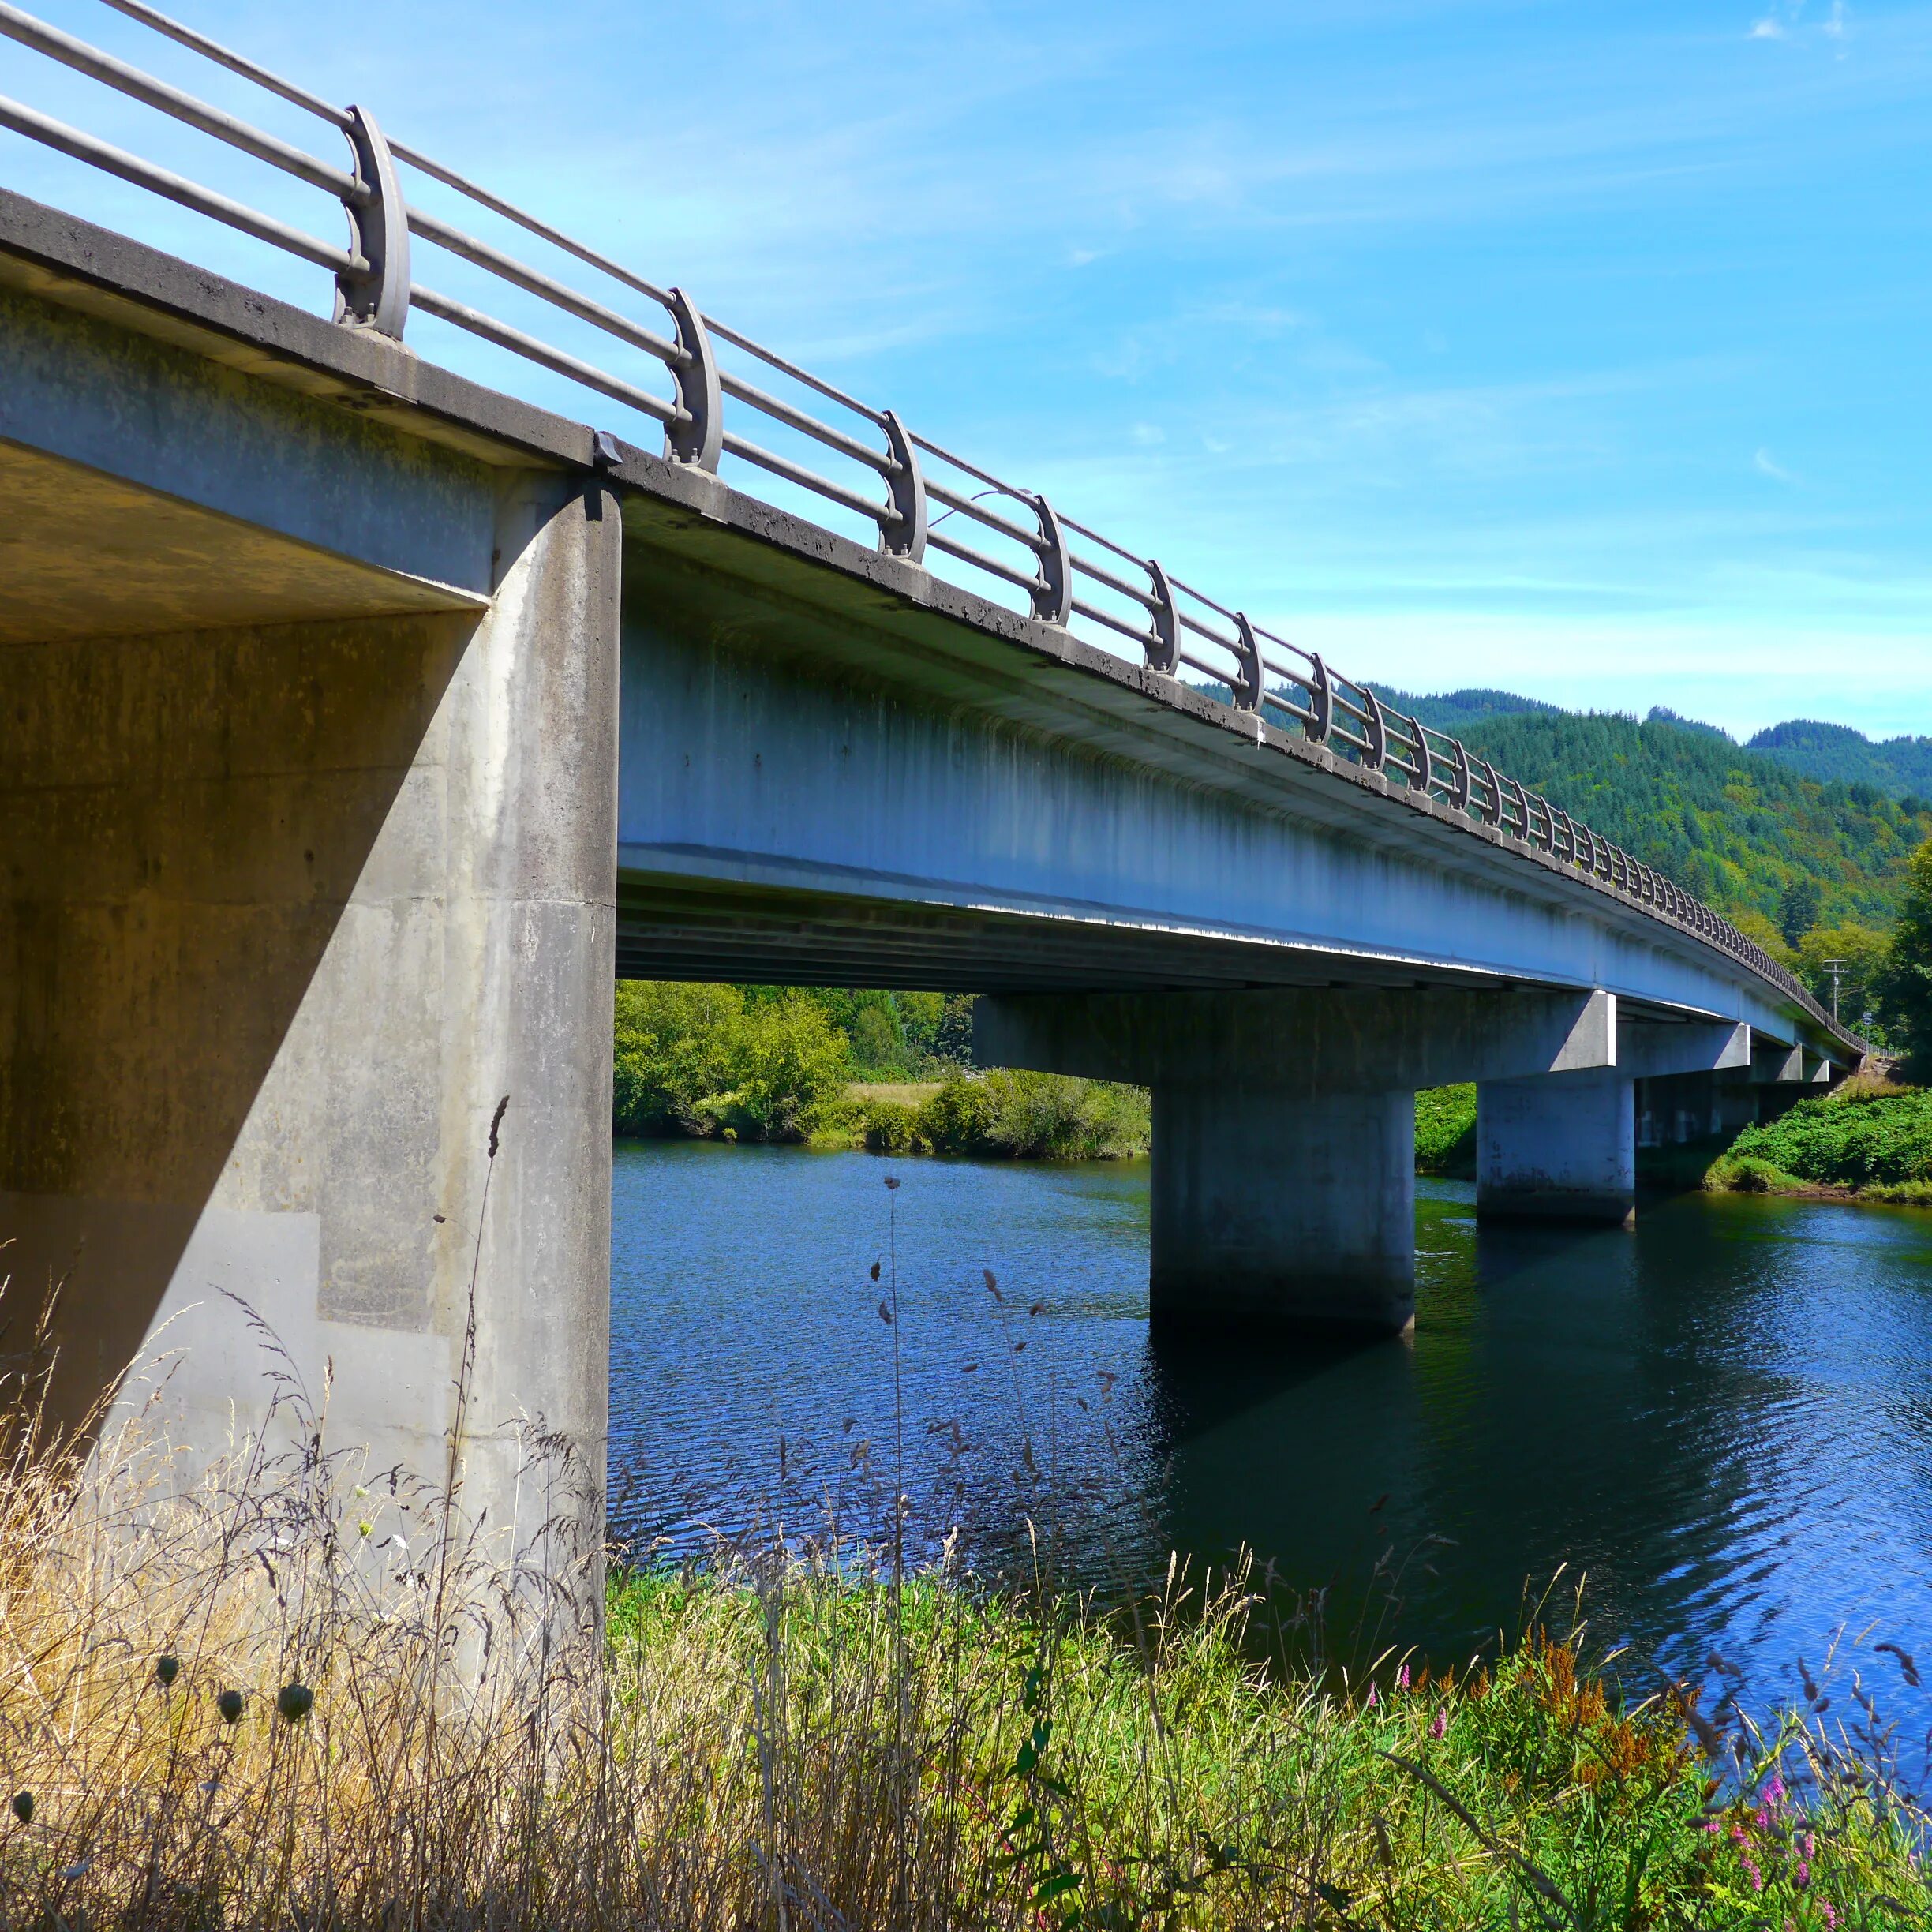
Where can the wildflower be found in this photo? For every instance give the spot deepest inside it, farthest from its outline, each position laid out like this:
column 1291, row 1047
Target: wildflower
column 1774, row 1790
column 1402, row 1677
column 1439, row 1724
column 1806, row 1843
column 1801, row 1874
column 1755, row 1876
column 1369, row 1703
column 1831, row 1917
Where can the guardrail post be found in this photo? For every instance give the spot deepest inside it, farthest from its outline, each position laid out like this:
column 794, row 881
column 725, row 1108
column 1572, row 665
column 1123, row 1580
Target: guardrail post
column 906, row 488
column 1163, row 643
column 1247, row 694
column 1420, row 768
column 379, row 232
column 1053, row 595
column 1321, row 701
column 697, row 438
column 1376, row 756
column 1493, row 812
column 1459, row 791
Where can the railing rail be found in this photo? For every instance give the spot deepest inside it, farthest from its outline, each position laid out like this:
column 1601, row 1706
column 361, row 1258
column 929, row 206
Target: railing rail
column 1175, row 627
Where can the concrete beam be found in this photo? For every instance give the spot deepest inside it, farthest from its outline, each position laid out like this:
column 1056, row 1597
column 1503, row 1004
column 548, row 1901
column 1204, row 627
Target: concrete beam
column 1650, row 1050
column 1289, row 1041
column 1775, row 1064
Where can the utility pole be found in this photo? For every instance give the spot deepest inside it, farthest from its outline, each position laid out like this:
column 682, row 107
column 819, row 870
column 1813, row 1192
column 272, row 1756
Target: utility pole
column 1834, row 967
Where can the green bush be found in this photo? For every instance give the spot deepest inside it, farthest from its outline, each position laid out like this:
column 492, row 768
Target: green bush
column 674, row 1047
column 1445, row 1132
column 704, row 1060
column 1905, row 980
column 958, row 1119
column 890, row 1127
column 1857, row 1139
column 1054, row 1117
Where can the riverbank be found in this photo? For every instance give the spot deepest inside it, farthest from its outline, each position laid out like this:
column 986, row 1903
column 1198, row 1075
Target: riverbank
column 228, row 1720
column 1869, row 1141
column 273, row 1707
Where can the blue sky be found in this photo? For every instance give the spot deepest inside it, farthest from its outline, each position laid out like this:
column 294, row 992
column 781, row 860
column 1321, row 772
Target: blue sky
column 1579, row 349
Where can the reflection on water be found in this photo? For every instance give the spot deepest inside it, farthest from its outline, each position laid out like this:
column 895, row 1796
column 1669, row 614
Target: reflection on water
column 1725, row 1418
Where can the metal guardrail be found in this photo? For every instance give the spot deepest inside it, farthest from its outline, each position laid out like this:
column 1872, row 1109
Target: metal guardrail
column 1175, row 627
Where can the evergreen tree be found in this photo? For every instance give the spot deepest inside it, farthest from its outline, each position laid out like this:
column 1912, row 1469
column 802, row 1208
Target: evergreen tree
column 1906, row 983
column 1797, row 908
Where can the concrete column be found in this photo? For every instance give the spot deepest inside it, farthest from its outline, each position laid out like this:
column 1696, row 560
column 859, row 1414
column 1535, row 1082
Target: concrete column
column 1282, row 1209
column 1562, row 1146
column 1283, row 1176
column 285, row 912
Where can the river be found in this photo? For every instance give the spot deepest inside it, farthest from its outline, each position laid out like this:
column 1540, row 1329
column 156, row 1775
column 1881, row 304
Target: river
column 1722, row 1420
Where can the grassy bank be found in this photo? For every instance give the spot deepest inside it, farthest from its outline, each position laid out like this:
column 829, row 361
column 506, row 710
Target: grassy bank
column 294, row 1700
column 1869, row 1141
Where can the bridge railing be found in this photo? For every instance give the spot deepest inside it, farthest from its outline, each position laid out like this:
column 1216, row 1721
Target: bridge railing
column 918, row 499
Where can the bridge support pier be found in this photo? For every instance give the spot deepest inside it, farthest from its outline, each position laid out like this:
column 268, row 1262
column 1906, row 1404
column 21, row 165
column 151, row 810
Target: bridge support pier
column 1560, row 1147
column 287, row 909
column 1284, row 1184
column 1274, row 1208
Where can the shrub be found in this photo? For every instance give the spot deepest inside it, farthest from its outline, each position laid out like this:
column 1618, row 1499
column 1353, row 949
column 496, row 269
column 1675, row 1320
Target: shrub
column 790, row 1066
column 1056, row 1117
column 890, row 1127
column 958, row 1119
column 1905, row 981
column 674, row 1044
column 1859, row 1138
column 1445, row 1132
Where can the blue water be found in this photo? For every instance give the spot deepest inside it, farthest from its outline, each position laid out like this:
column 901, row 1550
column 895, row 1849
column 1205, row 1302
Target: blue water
column 1721, row 1422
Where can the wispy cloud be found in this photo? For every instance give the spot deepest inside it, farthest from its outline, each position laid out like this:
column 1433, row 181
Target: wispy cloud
column 1763, row 464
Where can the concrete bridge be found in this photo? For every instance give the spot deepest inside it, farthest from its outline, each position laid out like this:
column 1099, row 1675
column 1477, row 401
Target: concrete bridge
column 360, row 722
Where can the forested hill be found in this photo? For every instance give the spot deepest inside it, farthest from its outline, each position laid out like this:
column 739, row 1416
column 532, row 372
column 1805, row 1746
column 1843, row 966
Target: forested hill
column 1735, row 826
column 1900, row 766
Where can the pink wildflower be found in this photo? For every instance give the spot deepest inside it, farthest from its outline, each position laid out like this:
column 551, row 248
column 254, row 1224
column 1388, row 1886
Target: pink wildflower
column 1801, row 1874
column 1370, row 1701
column 1439, row 1724
column 1402, row 1677
column 1831, row 1917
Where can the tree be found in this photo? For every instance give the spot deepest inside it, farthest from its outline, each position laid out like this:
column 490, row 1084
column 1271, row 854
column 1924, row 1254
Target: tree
column 1798, row 908
column 673, row 1048
column 1905, row 983
column 1860, row 952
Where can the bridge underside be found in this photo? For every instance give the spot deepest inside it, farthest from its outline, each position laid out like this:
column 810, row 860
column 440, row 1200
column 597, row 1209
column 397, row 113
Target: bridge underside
column 672, row 927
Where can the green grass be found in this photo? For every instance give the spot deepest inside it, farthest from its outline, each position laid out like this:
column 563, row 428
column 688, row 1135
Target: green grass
column 1062, row 1769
